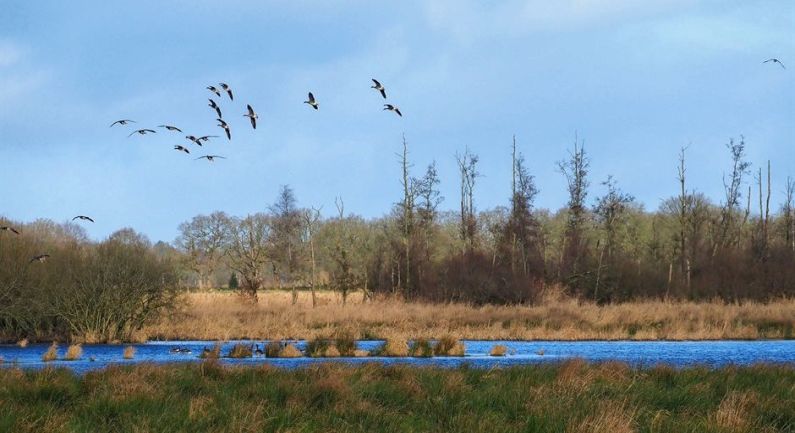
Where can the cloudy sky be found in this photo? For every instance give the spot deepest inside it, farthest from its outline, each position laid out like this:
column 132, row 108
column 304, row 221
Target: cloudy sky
column 635, row 79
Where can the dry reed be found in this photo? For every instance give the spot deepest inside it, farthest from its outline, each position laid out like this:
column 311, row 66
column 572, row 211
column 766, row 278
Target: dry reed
column 224, row 316
column 129, row 352
column 74, row 352
column 240, row 351
column 498, row 350
column 51, row 354
column 290, row 351
column 23, row 343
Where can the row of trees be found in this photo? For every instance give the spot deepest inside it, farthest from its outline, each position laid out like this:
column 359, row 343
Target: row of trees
column 606, row 249
column 93, row 292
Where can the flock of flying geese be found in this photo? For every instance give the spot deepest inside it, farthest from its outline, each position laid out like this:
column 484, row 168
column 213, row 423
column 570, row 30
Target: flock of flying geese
column 250, row 113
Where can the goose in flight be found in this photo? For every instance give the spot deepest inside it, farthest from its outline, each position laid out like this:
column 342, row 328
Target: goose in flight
column 83, row 218
column 378, row 86
column 170, row 128
column 312, row 101
column 391, row 107
column 206, row 138
column 181, row 149
column 210, row 157
column 214, row 90
column 9, row 229
column 252, row 116
column 194, row 139
column 142, row 132
column 224, row 125
column 215, row 106
column 774, row 60
column 228, row 90
column 121, row 122
column 41, row 258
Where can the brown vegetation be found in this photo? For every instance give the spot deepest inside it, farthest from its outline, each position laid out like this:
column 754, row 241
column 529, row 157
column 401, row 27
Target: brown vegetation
column 129, row 352
column 74, row 352
column 224, row 316
column 51, row 354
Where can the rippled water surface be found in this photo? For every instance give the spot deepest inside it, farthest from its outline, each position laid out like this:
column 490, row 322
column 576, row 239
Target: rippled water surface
column 638, row 353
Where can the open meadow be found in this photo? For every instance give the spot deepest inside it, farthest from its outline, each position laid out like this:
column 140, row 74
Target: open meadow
column 569, row 397
column 224, row 316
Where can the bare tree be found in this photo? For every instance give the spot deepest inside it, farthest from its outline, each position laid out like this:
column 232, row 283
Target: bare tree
column 729, row 227
column 249, row 249
column 311, row 218
column 575, row 170
column 467, row 166
column 203, row 241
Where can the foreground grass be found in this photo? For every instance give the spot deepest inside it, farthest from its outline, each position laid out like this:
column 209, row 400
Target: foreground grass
column 225, row 316
column 571, row 397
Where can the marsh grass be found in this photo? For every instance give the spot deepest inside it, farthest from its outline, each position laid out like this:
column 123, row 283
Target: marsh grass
column 498, row 350
column 421, row 348
column 393, row 347
column 51, row 354
column 129, row 352
column 23, row 343
column 240, row 351
column 448, row 346
column 290, row 351
column 571, row 397
column 74, row 352
column 213, row 353
column 224, row 316
column 272, row 349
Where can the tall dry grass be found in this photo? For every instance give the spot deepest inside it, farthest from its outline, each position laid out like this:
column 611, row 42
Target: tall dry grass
column 225, row 316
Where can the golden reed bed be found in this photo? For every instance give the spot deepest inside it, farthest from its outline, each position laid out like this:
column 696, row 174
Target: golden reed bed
column 226, row 316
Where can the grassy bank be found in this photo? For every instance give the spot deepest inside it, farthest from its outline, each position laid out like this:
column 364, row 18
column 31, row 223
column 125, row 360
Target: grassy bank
column 224, row 316
column 571, row 397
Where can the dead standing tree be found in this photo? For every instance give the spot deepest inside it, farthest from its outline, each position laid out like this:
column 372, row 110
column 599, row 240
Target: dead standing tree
column 467, row 166
column 575, row 170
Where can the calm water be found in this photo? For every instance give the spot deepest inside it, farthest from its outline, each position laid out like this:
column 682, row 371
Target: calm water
column 675, row 353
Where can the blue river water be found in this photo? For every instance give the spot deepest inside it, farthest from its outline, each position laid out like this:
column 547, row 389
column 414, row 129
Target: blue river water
column 635, row 353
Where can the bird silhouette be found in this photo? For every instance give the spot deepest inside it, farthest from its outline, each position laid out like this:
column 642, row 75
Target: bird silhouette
column 9, row 229
column 225, row 126
column 206, row 138
column 252, row 116
column 194, row 139
column 378, row 86
column 41, row 258
column 774, row 60
column 83, row 218
column 170, row 128
column 391, row 107
column 228, row 90
column 181, row 149
column 122, row 122
column 214, row 90
column 215, row 106
column 142, row 132
column 210, row 157
column 312, row 101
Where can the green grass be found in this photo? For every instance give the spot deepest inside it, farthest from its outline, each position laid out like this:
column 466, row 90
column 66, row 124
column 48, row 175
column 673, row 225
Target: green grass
column 569, row 397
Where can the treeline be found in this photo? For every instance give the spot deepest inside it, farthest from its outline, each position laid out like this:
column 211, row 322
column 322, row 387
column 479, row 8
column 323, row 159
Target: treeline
column 607, row 248
column 81, row 291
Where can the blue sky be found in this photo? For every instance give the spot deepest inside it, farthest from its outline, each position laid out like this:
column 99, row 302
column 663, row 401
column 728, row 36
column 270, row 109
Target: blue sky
column 635, row 79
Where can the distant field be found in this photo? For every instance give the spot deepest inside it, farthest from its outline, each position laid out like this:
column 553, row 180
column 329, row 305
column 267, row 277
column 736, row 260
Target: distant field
column 224, row 316
column 569, row 397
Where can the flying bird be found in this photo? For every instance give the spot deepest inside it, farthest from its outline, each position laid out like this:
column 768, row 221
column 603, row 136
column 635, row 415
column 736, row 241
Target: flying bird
column 142, row 132
column 378, row 86
column 224, row 125
column 391, row 107
column 194, row 139
column 214, row 90
column 252, row 116
column 122, row 122
column 206, row 138
column 41, row 258
column 215, row 106
column 774, row 60
column 170, row 128
column 312, row 101
column 181, row 149
column 9, row 229
column 228, row 90
column 210, row 157
column 83, row 218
